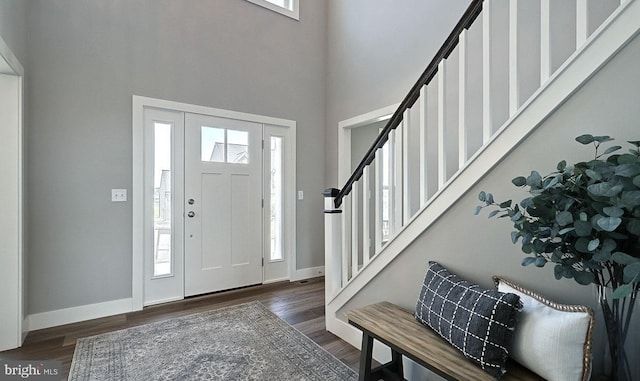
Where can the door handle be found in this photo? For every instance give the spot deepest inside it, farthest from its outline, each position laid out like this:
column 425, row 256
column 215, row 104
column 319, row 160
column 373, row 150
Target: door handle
column 191, row 214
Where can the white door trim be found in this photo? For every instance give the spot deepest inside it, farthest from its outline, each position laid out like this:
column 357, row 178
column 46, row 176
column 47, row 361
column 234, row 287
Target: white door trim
column 139, row 103
column 12, row 315
column 344, row 136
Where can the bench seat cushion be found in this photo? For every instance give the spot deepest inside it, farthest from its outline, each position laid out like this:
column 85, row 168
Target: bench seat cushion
column 477, row 321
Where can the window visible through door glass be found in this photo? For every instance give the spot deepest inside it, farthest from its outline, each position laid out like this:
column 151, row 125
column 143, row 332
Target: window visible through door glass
column 222, row 145
column 162, row 251
column 276, row 199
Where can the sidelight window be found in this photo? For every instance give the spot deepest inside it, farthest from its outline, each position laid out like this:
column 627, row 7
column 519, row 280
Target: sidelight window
column 162, row 250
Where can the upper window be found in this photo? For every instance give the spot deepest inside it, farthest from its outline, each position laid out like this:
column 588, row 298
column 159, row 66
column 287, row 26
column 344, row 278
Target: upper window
column 286, row 7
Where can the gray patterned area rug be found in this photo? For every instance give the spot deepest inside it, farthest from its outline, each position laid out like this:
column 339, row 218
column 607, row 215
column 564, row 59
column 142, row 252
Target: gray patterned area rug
column 244, row 342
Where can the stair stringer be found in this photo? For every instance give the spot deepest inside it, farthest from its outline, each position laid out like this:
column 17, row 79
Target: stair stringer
column 598, row 50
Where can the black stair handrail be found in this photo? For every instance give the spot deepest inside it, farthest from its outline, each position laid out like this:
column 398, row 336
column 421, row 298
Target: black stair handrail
column 450, row 43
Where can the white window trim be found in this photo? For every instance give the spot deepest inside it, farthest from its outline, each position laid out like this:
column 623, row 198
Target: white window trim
column 294, row 14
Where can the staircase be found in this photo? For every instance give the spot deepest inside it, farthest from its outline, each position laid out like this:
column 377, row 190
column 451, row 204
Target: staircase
column 505, row 68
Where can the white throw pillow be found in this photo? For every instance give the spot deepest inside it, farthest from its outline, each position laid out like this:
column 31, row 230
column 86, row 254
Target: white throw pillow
column 552, row 340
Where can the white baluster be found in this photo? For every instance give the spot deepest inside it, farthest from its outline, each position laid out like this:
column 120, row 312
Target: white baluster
column 424, row 168
column 355, row 227
column 442, row 133
column 366, row 212
column 463, row 136
column 347, row 220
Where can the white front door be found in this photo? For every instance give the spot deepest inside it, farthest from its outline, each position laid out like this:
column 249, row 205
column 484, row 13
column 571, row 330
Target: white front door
column 223, row 204
column 219, row 167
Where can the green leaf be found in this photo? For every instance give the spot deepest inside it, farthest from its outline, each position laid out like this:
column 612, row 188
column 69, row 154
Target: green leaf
column 584, row 277
column 519, row 181
column 534, row 179
column 505, row 204
column 623, row 258
column 582, row 245
column 636, row 181
column 609, row 224
column 613, row 211
column 526, row 261
column 601, row 256
column 567, row 230
column 493, row 213
column 489, row 198
column 562, row 165
column 633, row 226
column 634, row 142
column 539, row 246
column 583, row 228
column 631, row 198
column 627, row 159
column 608, row 245
column 514, row 236
column 551, row 182
column 584, row 216
column 482, row 196
column 622, row 291
column 631, row 272
column 540, row 262
column 602, row 139
column 516, row 216
column 564, row 218
column 593, row 244
column 611, row 149
column 628, row 170
column 604, row 189
column 557, row 272
column 585, row 139
column 593, row 174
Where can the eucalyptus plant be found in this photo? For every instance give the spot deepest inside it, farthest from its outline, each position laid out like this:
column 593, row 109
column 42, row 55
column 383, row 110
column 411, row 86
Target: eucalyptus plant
column 585, row 219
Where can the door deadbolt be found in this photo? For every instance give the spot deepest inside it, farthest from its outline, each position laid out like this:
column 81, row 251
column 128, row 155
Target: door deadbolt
column 191, row 214
column 191, row 201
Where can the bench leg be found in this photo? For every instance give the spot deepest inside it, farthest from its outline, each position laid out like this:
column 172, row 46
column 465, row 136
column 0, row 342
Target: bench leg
column 366, row 352
column 396, row 360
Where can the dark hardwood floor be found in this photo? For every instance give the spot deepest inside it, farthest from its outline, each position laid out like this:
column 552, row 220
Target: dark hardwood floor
column 301, row 304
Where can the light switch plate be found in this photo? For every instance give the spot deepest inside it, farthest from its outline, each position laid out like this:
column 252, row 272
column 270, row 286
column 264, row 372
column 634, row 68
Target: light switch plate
column 118, row 195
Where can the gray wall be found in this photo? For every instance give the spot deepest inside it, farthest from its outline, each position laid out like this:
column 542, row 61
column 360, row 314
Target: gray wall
column 86, row 60
column 13, row 27
column 376, row 53
column 486, row 248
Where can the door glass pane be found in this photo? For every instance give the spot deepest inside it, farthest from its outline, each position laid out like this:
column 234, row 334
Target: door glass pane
column 162, row 250
column 237, row 147
column 213, row 144
column 276, row 199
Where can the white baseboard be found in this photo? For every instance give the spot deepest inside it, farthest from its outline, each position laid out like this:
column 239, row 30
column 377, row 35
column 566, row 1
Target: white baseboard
column 310, row 272
column 93, row 311
column 81, row 313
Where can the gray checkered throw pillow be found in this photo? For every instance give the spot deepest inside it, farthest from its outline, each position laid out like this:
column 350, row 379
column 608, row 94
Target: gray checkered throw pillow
column 477, row 321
